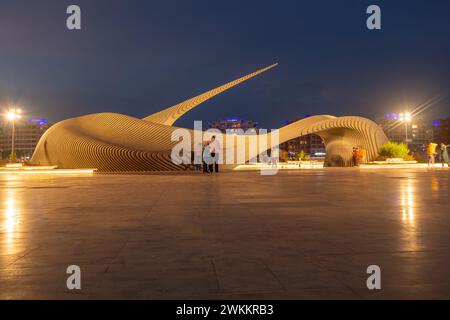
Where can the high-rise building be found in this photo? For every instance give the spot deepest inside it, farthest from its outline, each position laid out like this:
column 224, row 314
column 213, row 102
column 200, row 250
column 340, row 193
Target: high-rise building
column 417, row 132
column 27, row 135
column 234, row 125
column 421, row 135
column 441, row 129
column 310, row 144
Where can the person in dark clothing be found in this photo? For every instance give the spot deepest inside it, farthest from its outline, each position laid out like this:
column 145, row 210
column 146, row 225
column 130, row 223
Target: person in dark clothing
column 355, row 156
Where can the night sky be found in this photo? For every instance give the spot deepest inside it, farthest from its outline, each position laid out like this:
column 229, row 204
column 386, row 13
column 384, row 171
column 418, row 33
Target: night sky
column 138, row 57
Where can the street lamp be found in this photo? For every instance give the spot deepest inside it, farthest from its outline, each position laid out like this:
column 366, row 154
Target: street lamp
column 405, row 117
column 12, row 115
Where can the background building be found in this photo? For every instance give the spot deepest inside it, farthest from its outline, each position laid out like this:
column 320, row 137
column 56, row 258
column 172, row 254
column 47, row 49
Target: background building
column 27, row 135
column 441, row 130
column 418, row 132
column 311, row 144
column 234, row 124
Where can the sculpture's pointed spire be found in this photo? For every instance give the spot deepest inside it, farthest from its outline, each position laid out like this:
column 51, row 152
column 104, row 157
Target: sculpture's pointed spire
column 170, row 115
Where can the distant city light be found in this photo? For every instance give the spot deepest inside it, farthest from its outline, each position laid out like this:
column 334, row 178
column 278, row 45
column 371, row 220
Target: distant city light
column 388, row 115
column 405, row 117
column 436, row 123
column 13, row 114
column 39, row 121
column 408, row 116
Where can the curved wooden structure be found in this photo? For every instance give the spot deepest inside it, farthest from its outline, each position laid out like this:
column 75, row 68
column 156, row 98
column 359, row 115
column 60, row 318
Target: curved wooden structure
column 114, row 142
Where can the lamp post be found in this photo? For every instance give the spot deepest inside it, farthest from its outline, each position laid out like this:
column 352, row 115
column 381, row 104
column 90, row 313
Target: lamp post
column 12, row 115
column 406, row 118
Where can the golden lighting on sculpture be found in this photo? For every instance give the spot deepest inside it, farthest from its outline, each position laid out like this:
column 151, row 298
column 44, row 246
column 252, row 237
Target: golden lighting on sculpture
column 114, row 142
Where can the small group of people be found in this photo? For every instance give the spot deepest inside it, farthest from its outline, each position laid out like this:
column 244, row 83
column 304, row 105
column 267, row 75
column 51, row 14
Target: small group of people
column 209, row 158
column 359, row 156
column 441, row 152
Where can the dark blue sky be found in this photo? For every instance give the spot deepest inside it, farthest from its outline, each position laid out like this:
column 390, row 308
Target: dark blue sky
column 137, row 57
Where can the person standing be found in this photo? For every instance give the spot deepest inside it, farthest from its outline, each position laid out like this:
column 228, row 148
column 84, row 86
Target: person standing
column 354, row 156
column 431, row 152
column 215, row 150
column 206, row 157
column 363, row 155
column 444, row 155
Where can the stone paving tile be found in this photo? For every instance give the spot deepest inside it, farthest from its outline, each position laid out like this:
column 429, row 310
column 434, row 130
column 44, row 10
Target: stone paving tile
column 236, row 235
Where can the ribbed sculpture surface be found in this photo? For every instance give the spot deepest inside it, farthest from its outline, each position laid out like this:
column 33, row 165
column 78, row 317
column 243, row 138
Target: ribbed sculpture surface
column 114, row 142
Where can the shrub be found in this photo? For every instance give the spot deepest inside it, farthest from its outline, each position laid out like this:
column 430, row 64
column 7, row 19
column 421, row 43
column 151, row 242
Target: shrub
column 394, row 150
column 409, row 157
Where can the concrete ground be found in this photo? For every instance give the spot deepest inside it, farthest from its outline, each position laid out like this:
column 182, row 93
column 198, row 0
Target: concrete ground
column 238, row 235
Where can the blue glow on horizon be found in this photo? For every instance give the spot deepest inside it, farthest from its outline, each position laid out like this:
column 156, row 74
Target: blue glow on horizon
column 39, row 121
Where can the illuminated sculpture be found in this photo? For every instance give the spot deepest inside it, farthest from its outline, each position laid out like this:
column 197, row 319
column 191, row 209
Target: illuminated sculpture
column 114, row 142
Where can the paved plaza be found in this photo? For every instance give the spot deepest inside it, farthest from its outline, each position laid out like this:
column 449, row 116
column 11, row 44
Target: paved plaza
column 304, row 234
